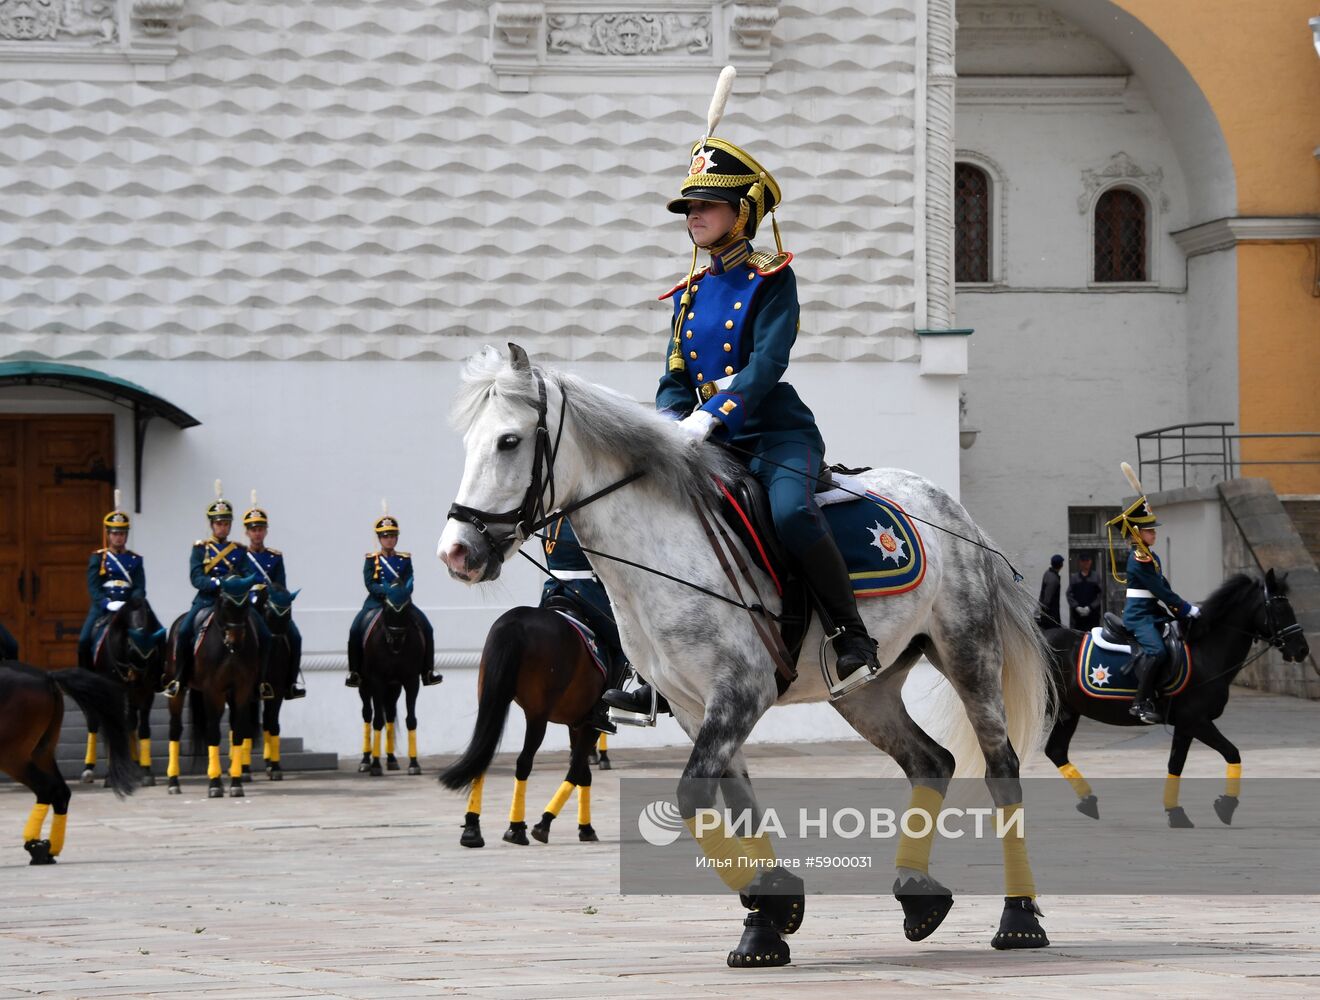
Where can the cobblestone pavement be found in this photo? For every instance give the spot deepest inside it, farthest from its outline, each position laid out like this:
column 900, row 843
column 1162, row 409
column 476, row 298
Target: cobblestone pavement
column 340, row 885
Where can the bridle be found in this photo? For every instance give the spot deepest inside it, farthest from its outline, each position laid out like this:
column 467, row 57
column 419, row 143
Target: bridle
column 534, row 513
column 1276, row 636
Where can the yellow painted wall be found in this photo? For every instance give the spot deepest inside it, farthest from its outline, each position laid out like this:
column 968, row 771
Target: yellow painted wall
column 1256, row 64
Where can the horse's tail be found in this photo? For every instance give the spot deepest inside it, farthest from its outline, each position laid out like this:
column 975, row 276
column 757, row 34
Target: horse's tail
column 500, row 660
column 1028, row 689
column 103, row 700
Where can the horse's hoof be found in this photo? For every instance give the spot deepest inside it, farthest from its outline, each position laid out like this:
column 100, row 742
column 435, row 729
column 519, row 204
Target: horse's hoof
column 516, row 834
column 148, row 780
column 392, row 762
column 587, row 834
column 471, row 836
column 1225, row 806
column 779, row 895
column 174, row 788
column 414, row 767
column 540, row 834
column 247, row 773
column 87, row 777
column 925, row 905
column 1178, row 820
column 40, row 852
column 593, row 758
column 235, row 790
column 605, row 764
column 364, row 766
column 215, row 791
column 761, row 946
column 276, row 775
column 376, row 770
column 1018, row 927
column 1089, row 806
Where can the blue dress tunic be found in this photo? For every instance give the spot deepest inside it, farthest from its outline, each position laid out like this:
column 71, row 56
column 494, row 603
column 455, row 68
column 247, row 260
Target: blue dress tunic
column 269, row 565
column 1147, row 590
column 110, row 577
column 380, row 570
column 735, row 339
column 210, row 562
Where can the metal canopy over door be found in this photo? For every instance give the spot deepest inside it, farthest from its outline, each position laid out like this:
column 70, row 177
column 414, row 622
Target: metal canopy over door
column 56, row 483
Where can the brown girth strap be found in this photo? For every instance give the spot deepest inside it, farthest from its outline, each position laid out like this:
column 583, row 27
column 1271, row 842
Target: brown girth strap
column 785, row 671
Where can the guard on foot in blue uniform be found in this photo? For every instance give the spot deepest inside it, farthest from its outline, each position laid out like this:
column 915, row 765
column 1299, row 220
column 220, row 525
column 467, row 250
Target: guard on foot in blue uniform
column 382, row 568
column 268, row 564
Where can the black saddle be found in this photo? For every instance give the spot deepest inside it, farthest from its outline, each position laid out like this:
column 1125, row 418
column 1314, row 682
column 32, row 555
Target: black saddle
column 1116, row 632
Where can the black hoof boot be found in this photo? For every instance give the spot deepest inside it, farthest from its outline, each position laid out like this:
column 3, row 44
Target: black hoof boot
column 541, row 832
column 1225, row 806
column 605, row 764
column 365, row 764
column 587, row 834
column 40, row 851
column 593, row 756
column 236, row 789
column 413, row 766
column 275, row 772
column 174, row 788
column 1089, row 806
column 376, row 770
column 471, row 836
column 88, row 776
column 1019, row 926
column 516, row 834
column 148, row 779
column 391, row 762
column 1179, row 820
column 215, row 790
column 761, row 946
column 779, row 895
column 925, row 905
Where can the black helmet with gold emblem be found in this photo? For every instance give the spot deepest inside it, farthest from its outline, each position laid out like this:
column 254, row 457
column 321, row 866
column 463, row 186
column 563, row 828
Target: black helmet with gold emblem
column 719, row 171
column 117, row 519
column 254, row 515
column 386, row 524
column 219, row 509
column 1136, row 516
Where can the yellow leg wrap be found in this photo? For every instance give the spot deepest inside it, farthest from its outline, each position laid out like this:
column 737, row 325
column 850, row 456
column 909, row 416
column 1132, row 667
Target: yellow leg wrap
column 584, row 805
column 366, row 737
column 273, row 750
column 90, row 759
column 602, row 744
column 412, row 743
column 1233, row 784
column 144, row 753
column 57, row 824
column 231, row 743
column 1018, row 880
column 1080, row 785
column 36, row 819
column 172, row 769
column 759, row 849
column 474, row 796
column 914, row 852
column 265, row 745
column 557, row 801
column 213, row 762
column 375, row 743
column 236, row 761
column 518, row 808
column 1171, row 783
column 726, row 855
column 247, row 752
column 389, row 737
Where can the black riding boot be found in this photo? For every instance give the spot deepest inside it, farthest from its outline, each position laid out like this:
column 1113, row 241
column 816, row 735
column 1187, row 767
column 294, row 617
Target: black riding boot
column 182, row 668
column 429, row 676
column 264, row 691
column 1147, row 668
column 85, row 655
column 354, row 678
column 823, row 568
column 600, row 719
column 637, row 701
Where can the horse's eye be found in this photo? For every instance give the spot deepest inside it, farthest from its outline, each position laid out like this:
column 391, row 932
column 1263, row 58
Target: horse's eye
column 508, row 442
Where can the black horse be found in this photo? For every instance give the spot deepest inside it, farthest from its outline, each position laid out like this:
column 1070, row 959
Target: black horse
column 226, row 668
column 393, row 659
column 276, row 606
column 1242, row 611
column 129, row 649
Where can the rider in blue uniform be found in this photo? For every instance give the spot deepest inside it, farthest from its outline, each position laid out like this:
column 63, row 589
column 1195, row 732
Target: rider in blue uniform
column 733, row 328
column 212, row 559
column 382, row 568
column 268, row 564
column 572, row 583
column 1150, row 601
column 114, row 574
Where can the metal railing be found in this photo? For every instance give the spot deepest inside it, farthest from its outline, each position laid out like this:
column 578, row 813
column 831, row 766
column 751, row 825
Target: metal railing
column 1207, row 444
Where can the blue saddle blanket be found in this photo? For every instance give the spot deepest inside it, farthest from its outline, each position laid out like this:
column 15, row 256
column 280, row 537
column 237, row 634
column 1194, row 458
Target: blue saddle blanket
column 588, row 639
column 1108, row 673
column 879, row 542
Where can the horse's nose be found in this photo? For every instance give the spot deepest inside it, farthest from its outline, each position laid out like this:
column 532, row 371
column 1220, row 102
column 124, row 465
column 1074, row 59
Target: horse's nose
column 455, row 555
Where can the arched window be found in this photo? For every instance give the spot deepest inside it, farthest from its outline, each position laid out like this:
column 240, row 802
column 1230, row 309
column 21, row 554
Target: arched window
column 971, row 223
column 1120, row 236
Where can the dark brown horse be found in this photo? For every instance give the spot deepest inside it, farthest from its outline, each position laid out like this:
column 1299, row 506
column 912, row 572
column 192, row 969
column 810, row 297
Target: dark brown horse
column 534, row 657
column 31, row 712
column 129, row 649
column 276, row 606
column 1241, row 611
column 226, row 668
column 393, row 657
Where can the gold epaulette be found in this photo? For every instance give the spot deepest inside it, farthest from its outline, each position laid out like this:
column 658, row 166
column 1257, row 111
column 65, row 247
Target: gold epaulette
column 372, row 555
column 406, row 555
column 274, row 552
column 766, row 264
column 100, row 552
column 683, row 284
column 199, row 543
column 1141, row 558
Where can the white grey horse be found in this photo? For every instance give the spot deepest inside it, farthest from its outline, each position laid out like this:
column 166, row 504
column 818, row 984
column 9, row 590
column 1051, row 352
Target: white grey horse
column 537, row 438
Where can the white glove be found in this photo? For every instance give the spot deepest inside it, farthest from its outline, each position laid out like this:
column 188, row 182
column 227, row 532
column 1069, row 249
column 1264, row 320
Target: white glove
column 1193, row 612
column 699, row 424
column 114, row 605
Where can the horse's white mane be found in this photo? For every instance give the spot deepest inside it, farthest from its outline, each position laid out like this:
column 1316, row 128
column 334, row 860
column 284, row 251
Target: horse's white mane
column 606, row 423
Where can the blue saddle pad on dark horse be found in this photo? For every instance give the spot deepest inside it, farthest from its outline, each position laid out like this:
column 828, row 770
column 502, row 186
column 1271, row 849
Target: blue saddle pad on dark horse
column 1104, row 672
